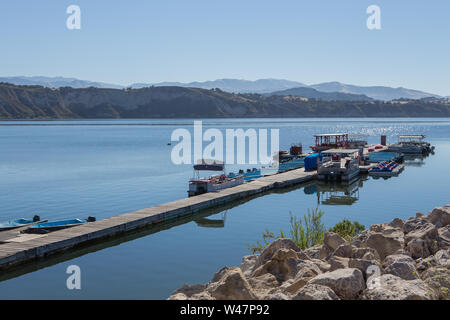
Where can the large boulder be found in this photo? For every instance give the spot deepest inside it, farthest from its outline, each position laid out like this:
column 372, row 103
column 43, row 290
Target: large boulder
column 439, row 280
column 248, row 263
column 314, row 251
column 402, row 266
column 283, row 265
column 443, row 257
column 397, row 223
column 418, row 248
column 390, row 287
column 276, row 245
column 364, row 265
column 385, row 243
column 365, row 253
column 337, row 263
column 345, row 250
column 194, row 292
column 230, row 284
column 444, row 237
column 346, row 283
column 315, row 292
column 263, row 285
column 414, row 224
column 308, row 268
column 424, row 231
column 332, row 240
column 321, row 264
column 440, row 216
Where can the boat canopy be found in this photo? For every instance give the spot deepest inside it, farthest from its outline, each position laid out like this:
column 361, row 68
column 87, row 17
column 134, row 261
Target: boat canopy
column 209, row 165
column 330, row 140
column 342, row 152
column 411, row 137
column 331, row 135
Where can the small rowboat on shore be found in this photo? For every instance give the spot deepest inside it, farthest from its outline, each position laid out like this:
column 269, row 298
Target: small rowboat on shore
column 14, row 224
column 57, row 225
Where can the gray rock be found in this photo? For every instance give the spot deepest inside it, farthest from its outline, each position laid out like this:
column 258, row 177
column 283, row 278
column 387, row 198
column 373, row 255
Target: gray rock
column 345, row 250
column 232, row 285
column 346, row 283
column 443, row 257
column 248, row 263
column 439, row 280
column 440, row 216
column 315, row 292
column 187, row 292
column 338, row 263
column 278, row 244
column 384, row 244
column 332, row 240
column 402, row 266
column 397, row 223
column 363, row 265
column 283, row 265
column 444, row 237
column 314, row 252
column 390, row 287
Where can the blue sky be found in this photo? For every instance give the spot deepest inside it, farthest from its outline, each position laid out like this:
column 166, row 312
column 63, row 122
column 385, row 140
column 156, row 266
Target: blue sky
column 152, row 41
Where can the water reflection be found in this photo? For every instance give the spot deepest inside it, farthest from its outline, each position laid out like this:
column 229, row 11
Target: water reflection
column 414, row 160
column 212, row 223
column 336, row 193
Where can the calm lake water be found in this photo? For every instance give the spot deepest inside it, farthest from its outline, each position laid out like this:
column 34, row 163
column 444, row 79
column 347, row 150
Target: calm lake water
column 74, row 169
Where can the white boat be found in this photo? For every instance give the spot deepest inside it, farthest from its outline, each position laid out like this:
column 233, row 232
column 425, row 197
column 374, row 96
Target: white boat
column 343, row 165
column 214, row 183
column 411, row 144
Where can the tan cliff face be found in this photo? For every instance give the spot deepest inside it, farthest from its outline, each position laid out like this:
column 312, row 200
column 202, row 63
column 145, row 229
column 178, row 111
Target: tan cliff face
column 36, row 102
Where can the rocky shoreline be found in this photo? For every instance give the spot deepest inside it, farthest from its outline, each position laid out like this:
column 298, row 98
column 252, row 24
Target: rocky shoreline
column 399, row 260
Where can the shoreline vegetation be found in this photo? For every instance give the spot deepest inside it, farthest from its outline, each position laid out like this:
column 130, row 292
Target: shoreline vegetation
column 308, row 232
column 41, row 103
column 399, row 260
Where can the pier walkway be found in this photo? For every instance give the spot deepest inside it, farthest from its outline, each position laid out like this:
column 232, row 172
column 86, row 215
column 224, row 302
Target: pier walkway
column 17, row 248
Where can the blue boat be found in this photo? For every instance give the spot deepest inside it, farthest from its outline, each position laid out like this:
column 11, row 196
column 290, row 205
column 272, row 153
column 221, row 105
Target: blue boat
column 57, row 225
column 19, row 223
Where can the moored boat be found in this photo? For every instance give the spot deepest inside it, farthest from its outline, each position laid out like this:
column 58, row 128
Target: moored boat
column 57, row 225
column 411, row 144
column 343, row 165
column 386, row 169
column 14, row 224
column 330, row 141
column 198, row 185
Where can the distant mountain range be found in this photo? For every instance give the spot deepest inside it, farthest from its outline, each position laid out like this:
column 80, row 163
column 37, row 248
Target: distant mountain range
column 232, row 85
column 263, row 86
column 57, row 82
column 375, row 92
column 38, row 102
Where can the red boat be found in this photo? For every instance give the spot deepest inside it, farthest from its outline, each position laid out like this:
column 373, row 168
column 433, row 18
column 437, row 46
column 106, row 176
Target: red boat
column 330, row 141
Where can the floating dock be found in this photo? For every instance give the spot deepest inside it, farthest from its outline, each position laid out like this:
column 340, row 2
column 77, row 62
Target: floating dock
column 17, row 248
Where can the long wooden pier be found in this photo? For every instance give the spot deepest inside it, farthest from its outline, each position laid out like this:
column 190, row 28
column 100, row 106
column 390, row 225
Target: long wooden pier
column 17, row 248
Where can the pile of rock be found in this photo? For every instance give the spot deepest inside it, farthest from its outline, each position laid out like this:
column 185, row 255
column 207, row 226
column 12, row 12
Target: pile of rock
column 398, row 260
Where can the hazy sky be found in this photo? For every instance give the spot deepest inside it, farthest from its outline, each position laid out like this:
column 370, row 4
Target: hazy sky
column 152, row 41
